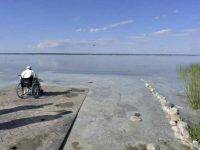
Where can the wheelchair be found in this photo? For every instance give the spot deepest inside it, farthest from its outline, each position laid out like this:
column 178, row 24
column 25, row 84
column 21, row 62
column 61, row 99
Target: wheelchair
column 29, row 87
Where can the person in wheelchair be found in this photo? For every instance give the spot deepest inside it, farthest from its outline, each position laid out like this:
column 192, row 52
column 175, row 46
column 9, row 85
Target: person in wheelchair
column 27, row 77
column 29, row 84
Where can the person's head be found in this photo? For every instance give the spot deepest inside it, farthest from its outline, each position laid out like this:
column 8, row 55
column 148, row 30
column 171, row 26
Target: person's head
column 29, row 67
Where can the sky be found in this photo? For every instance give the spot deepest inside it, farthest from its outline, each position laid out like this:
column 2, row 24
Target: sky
column 100, row 26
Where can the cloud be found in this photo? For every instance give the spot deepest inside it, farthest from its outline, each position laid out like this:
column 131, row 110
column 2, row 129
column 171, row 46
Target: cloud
column 168, row 34
column 68, row 43
column 53, row 44
column 98, row 29
column 120, row 23
column 48, row 44
column 107, row 27
column 163, row 32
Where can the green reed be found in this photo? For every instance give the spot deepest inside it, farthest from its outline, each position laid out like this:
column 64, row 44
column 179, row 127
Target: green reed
column 190, row 76
column 195, row 132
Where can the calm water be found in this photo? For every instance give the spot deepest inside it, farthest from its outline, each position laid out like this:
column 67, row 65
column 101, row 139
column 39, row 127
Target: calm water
column 144, row 66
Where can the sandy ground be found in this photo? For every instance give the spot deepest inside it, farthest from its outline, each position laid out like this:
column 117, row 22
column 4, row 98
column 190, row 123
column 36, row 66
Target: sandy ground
column 29, row 124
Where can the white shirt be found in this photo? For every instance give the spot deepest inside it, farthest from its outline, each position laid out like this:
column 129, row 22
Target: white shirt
column 27, row 74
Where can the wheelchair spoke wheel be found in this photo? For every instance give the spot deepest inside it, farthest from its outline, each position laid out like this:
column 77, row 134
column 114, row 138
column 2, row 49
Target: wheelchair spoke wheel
column 35, row 90
column 21, row 92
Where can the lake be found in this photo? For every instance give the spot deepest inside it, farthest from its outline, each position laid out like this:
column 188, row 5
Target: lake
column 149, row 67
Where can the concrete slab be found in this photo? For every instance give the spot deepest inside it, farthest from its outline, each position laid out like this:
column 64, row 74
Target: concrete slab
column 104, row 119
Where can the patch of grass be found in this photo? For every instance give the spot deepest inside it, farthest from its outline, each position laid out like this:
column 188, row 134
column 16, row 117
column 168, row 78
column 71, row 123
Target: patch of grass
column 190, row 76
column 195, row 131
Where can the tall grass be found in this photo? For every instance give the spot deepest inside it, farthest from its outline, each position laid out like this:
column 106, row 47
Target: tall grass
column 195, row 131
column 190, row 76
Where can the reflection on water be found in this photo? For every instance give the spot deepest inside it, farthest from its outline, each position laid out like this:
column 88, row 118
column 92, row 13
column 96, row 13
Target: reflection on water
column 12, row 65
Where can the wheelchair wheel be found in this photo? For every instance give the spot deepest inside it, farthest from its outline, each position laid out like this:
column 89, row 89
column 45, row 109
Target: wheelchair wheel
column 35, row 90
column 21, row 93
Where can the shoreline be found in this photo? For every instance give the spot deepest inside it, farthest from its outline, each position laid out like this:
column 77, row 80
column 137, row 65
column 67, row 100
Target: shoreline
column 100, row 54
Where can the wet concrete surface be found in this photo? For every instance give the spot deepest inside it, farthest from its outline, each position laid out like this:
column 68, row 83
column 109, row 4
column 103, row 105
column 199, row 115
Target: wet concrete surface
column 104, row 119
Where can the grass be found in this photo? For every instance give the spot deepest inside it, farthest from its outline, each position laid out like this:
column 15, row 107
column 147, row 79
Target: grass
column 190, row 76
column 195, row 132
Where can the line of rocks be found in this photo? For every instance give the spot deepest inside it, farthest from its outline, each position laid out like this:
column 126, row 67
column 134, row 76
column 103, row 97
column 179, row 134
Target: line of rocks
column 179, row 127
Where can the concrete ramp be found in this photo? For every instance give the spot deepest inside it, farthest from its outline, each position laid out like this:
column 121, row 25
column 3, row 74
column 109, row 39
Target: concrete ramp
column 103, row 122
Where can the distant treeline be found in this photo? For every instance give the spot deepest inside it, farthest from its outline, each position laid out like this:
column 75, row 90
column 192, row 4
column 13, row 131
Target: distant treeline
column 109, row 54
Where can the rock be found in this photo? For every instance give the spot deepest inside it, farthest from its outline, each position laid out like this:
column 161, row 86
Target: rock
column 140, row 146
column 178, row 135
column 179, row 107
column 166, row 109
column 154, row 94
column 173, row 111
column 162, row 97
column 157, row 95
column 183, row 129
column 137, row 114
column 185, row 133
column 136, row 117
column 151, row 90
column 146, row 85
column 170, row 105
column 175, row 129
column 144, row 146
column 181, row 124
column 195, row 143
column 175, row 118
column 151, row 146
column 128, row 147
column 163, row 101
column 173, row 123
column 185, row 142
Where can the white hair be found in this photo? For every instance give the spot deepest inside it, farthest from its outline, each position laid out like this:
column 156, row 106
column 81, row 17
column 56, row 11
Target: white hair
column 28, row 67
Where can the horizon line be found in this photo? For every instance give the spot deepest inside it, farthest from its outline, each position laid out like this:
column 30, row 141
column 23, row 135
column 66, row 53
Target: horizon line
column 136, row 54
